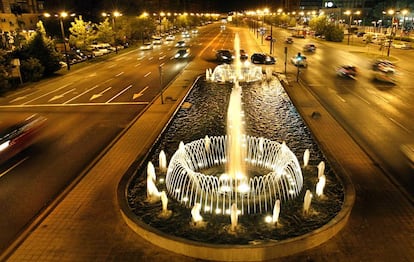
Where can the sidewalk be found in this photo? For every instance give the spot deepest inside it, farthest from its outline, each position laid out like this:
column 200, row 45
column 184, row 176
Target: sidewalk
column 87, row 224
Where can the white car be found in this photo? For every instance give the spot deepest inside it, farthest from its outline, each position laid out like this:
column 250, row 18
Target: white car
column 402, row 45
column 169, row 38
column 299, row 61
column 147, row 46
column 157, row 40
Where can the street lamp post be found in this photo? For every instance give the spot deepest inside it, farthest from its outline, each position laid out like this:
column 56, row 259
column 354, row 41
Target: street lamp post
column 62, row 15
column 391, row 12
column 349, row 13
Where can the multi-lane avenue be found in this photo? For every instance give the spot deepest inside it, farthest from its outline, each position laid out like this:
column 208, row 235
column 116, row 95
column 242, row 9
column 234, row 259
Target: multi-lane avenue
column 88, row 107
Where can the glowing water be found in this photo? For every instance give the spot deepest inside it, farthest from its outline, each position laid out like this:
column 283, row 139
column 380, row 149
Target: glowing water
column 320, row 185
column 276, row 212
column 234, row 217
column 162, row 161
column 321, row 169
column 306, row 158
column 307, row 201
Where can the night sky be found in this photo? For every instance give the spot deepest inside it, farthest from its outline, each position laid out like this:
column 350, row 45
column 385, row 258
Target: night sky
column 95, row 7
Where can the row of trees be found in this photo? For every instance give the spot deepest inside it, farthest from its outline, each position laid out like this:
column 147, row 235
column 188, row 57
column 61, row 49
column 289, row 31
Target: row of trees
column 39, row 57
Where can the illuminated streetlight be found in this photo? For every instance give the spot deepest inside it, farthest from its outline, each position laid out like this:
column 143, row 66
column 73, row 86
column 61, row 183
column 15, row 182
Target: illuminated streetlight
column 114, row 15
column 61, row 16
column 349, row 13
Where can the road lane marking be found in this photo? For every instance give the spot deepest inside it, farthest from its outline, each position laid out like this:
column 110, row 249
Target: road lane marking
column 94, row 96
column 60, row 96
column 340, row 98
column 48, row 93
column 18, row 99
column 74, row 105
column 81, row 94
column 119, row 74
column 108, row 80
column 111, row 66
column 141, row 57
column 120, row 93
column 400, row 125
column 135, row 96
column 147, row 74
column 161, row 57
column 137, row 65
column 13, row 167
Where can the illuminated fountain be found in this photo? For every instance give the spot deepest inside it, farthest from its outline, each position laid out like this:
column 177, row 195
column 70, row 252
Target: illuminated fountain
column 240, row 193
column 253, row 172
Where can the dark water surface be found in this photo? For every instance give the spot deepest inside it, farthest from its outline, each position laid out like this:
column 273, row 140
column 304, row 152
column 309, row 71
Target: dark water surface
column 269, row 113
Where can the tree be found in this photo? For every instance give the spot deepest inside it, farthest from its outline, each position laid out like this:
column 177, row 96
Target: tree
column 333, row 33
column 42, row 49
column 82, row 33
column 105, row 32
column 32, row 70
column 318, row 24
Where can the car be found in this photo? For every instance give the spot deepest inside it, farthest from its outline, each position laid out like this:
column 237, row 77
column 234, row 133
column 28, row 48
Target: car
column 181, row 44
column 402, row 45
column 289, row 40
column 268, row 38
column 15, row 137
column 347, row 71
column 194, row 31
column 157, row 40
column 243, row 55
column 309, row 48
column 383, row 65
column 169, row 38
column 262, row 58
column 224, row 55
column 299, row 60
column 185, row 34
column 147, row 46
column 360, row 34
column 182, row 53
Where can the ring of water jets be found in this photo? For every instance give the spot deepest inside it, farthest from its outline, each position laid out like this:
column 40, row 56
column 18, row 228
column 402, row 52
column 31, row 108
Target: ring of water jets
column 280, row 176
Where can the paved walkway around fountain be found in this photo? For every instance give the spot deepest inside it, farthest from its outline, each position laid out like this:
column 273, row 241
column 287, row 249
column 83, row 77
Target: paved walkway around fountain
column 87, row 225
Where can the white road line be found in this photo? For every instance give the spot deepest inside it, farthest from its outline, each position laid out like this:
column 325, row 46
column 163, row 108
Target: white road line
column 74, row 105
column 400, row 125
column 119, row 74
column 111, row 66
column 108, row 80
column 61, row 95
column 161, row 57
column 81, row 94
column 147, row 74
column 14, row 166
column 137, row 65
column 340, row 98
column 48, row 93
column 120, row 93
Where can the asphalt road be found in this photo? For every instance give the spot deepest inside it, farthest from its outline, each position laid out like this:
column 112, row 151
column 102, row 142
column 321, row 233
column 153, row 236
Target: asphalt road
column 378, row 115
column 89, row 107
column 86, row 109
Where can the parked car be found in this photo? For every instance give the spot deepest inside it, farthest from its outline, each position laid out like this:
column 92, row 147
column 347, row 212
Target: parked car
column 402, row 45
column 349, row 71
column 182, row 53
column 262, row 58
column 147, row 46
column 299, row 60
column 224, row 55
column 309, row 48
